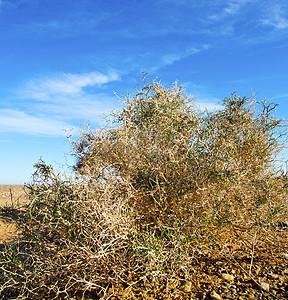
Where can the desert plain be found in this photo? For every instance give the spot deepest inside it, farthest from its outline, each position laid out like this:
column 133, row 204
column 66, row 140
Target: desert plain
column 10, row 195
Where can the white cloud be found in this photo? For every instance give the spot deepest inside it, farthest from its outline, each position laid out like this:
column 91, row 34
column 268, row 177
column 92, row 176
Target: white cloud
column 207, row 105
column 247, row 21
column 275, row 16
column 51, row 104
column 279, row 96
column 233, row 7
column 169, row 59
column 18, row 121
column 273, row 13
column 83, row 108
column 66, row 95
column 202, row 99
column 15, row 3
column 64, row 84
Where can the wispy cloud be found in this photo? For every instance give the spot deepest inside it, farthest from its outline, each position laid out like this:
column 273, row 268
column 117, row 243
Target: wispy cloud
column 202, row 99
column 169, row 59
column 20, row 122
column 49, row 104
column 276, row 16
column 279, row 96
column 262, row 21
column 52, row 24
column 64, row 85
column 207, row 105
column 274, row 13
column 15, row 3
column 232, row 7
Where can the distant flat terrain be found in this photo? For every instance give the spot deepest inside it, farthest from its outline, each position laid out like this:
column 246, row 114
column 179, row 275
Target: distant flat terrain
column 10, row 195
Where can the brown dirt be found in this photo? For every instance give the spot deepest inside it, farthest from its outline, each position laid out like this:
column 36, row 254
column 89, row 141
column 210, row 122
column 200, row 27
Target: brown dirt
column 234, row 258
column 12, row 196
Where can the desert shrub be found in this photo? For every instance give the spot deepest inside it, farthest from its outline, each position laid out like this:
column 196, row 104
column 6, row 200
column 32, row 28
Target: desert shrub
column 160, row 182
column 188, row 166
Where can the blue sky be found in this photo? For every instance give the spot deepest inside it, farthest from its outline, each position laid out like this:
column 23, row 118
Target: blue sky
column 62, row 61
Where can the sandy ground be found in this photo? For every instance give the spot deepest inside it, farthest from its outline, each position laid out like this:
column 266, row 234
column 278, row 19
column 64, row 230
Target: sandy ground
column 9, row 195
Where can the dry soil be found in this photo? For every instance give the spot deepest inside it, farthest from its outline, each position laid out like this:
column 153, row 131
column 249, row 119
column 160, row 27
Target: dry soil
column 10, row 195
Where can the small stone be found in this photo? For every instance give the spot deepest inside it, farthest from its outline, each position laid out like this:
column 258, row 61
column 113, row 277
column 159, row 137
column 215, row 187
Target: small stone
column 229, row 296
column 227, row 277
column 284, row 255
column 186, row 287
column 264, row 285
column 273, row 276
column 215, row 296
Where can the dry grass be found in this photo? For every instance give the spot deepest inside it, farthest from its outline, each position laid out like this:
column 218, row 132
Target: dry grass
column 12, row 193
column 159, row 197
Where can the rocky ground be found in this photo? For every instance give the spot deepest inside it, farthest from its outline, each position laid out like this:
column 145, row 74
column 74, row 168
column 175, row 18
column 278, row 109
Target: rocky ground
column 219, row 271
column 222, row 275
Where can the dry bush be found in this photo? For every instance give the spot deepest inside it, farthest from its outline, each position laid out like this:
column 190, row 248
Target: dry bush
column 161, row 182
column 75, row 237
